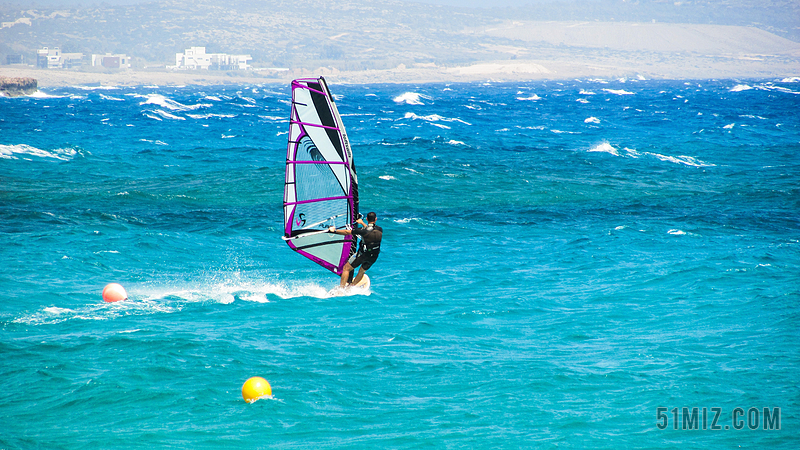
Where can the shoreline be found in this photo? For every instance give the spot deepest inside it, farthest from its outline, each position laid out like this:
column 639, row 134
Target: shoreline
column 678, row 68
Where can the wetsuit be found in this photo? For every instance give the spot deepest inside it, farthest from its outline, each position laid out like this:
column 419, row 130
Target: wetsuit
column 370, row 246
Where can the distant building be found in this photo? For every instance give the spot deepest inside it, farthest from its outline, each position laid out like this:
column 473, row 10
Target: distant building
column 53, row 58
column 197, row 58
column 110, row 61
column 15, row 59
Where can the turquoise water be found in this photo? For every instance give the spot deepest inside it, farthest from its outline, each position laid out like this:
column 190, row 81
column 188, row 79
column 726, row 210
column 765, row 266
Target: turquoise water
column 560, row 260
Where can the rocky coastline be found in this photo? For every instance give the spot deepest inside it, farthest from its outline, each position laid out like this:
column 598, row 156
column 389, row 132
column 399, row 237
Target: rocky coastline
column 18, row 86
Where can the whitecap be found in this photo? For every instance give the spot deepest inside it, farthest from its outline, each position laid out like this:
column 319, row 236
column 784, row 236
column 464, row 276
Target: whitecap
column 618, row 91
column 108, row 97
column 433, row 118
column 387, row 177
column 729, row 126
column 585, row 92
column 791, row 80
column 740, row 88
column 167, row 115
column 454, row 142
column 592, row 120
column 209, row 116
column 411, row 98
column 605, row 147
column 533, row 97
column 685, row 160
column 40, row 94
column 172, row 105
column 13, row 152
column 582, row 100
column 676, row 232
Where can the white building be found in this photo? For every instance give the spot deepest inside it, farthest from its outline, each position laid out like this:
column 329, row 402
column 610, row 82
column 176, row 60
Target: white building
column 197, row 58
column 53, row 58
column 112, row 61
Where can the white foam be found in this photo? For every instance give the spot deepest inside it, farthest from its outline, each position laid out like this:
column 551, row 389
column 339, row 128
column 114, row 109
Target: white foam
column 532, row 97
column 14, row 152
column 676, row 232
column 729, row 126
column 40, row 94
column 172, row 105
column 685, row 160
column 167, row 115
column 740, row 88
column 605, row 147
column 411, row 98
column 618, row 91
column 585, row 92
column 210, row 115
column 433, row 118
column 454, row 142
column 108, row 97
column 387, row 177
column 791, row 80
column 592, row 120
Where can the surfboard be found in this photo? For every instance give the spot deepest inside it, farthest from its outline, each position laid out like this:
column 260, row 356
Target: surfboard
column 354, row 289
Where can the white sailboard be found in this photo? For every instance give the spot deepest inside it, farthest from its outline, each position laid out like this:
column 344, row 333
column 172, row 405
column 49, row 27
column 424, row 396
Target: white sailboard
column 321, row 188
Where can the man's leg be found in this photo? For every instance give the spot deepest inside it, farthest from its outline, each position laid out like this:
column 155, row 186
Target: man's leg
column 360, row 275
column 345, row 274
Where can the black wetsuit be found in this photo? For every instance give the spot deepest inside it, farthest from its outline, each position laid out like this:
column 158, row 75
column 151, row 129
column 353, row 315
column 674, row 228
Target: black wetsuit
column 370, row 246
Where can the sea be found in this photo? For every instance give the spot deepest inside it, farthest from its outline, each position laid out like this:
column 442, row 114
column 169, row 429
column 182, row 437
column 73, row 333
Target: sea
column 567, row 264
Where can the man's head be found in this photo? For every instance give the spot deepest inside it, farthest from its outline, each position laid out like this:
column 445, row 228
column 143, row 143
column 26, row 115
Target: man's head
column 371, row 217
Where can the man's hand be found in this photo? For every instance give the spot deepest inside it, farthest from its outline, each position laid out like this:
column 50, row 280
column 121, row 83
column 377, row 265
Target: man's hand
column 331, row 229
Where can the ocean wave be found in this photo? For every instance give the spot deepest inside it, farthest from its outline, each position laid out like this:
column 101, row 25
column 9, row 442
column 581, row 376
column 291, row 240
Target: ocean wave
column 605, row 147
column 172, row 105
column 740, row 88
column 685, row 160
column 40, row 94
column 433, row 118
column 531, row 98
column 387, row 177
column 454, row 142
column 114, row 99
column 763, row 87
column 791, row 80
column 15, row 152
column 412, row 98
column 592, row 120
column 618, row 91
column 167, row 115
column 585, row 92
column 210, row 116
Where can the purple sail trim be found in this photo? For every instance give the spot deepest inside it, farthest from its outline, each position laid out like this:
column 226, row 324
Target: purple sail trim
column 344, row 197
column 315, row 125
column 317, row 162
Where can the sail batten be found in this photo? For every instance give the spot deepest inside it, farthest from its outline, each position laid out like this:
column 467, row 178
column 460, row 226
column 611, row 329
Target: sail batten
column 321, row 188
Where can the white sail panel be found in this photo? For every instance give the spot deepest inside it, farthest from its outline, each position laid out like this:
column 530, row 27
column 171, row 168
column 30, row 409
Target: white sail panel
column 321, row 188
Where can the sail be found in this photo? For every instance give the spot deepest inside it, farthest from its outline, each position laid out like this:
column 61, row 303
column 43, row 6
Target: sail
column 321, row 187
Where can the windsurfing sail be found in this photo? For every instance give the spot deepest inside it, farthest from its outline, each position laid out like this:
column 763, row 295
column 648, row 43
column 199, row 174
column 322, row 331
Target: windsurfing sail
column 321, row 188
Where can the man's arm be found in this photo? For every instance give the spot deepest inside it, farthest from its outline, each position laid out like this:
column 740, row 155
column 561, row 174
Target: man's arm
column 345, row 231
column 335, row 231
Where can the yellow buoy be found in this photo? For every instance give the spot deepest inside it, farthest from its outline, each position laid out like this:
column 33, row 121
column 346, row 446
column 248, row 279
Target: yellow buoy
column 113, row 292
column 255, row 388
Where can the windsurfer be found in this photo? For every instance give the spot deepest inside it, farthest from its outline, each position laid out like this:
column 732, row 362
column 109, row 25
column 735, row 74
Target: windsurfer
column 368, row 250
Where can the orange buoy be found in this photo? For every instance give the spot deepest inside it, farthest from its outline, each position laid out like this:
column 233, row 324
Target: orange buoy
column 114, row 292
column 255, row 388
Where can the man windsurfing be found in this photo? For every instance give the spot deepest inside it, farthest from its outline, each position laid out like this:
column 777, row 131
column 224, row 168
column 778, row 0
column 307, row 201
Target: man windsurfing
column 368, row 250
